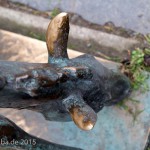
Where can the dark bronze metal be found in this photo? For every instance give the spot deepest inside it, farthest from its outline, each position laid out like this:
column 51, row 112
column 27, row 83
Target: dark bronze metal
column 64, row 87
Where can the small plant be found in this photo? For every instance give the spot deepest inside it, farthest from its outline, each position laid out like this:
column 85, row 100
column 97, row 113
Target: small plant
column 37, row 36
column 136, row 69
column 134, row 112
column 147, row 37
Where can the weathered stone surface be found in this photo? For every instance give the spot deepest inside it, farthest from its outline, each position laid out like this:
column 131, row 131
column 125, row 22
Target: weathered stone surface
column 14, row 47
column 115, row 128
column 103, row 39
column 129, row 14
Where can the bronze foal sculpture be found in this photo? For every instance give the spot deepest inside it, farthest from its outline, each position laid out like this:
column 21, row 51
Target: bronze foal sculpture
column 63, row 87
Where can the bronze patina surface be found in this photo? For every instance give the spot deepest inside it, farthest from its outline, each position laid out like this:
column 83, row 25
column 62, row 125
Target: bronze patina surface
column 63, row 87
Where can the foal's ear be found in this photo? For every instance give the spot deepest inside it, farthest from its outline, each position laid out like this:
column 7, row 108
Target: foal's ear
column 57, row 36
column 82, row 114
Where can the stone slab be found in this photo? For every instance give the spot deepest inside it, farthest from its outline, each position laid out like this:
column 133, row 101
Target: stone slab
column 115, row 128
column 15, row 47
column 128, row 14
column 76, row 32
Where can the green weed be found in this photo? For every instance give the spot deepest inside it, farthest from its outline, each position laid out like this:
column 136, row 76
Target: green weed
column 37, row 36
column 55, row 12
column 137, row 72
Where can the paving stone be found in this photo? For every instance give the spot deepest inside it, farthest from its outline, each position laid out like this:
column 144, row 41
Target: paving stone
column 128, row 14
column 76, row 32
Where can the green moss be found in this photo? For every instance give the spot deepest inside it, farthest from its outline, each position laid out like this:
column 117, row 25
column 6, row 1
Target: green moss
column 55, row 12
column 37, row 35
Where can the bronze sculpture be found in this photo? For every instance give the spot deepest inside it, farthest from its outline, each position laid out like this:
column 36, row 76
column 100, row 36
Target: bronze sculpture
column 81, row 86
